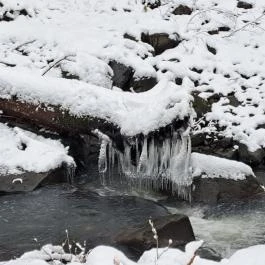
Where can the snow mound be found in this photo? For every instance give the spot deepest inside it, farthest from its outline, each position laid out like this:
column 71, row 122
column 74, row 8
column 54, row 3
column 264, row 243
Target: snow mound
column 209, row 166
column 254, row 255
column 22, row 151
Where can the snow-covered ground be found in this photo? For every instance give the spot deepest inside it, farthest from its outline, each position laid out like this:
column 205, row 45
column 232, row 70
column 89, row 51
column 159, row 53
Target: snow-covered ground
column 22, row 151
column 104, row 255
column 220, row 53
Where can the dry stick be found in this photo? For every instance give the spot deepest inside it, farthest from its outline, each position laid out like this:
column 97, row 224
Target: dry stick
column 25, row 43
column 192, row 259
column 56, row 63
column 246, row 25
column 8, row 64
column 211, row 9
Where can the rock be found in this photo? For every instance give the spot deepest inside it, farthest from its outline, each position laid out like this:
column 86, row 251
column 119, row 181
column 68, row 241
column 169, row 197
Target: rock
column 245, row 5
column 122, row 75
column 161, row 41
column 129, row 37
column 208, row 253
column 233, row 100
column 10, row 15
column 211, row 49
column 29, row 181
column 176, row 227
column 182, row 10
column 152, row 3
column 216, row 190
column 200, row 105
column 197, row 139
column 143, row 84
column 252, row 158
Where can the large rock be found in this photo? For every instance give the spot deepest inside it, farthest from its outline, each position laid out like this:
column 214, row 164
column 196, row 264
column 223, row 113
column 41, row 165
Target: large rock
column 142, row 84
column 152, row 3
column 245, row 5
column 161, row 41
column 217, row 179
column 176, row 227
column 122, row 75
column 29, row 181
column 215, row 190
column 252, row 158
column 182, row 10
column 200, row 105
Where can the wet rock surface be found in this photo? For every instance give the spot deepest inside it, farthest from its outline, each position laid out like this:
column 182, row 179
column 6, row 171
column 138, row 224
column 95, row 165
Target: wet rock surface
column 175, row 227
column 217, row 190
column 29, row 181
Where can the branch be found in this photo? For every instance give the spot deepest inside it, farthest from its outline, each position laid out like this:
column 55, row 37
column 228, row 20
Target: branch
column 55, row 63
column 8, row 64
column 23, row 44
column 246, row 25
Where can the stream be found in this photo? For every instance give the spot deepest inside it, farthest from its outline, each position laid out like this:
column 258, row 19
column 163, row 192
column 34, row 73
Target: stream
column 95, row 213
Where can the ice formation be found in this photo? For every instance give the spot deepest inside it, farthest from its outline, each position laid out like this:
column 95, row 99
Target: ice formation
column 151, row 161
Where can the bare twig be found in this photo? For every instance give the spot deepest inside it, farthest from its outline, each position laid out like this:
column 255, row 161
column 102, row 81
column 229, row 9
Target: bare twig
column 220, row 11
column 192, row 259
column 253, row 22
column 23, row 44
column 8, row 64
column 55, row 63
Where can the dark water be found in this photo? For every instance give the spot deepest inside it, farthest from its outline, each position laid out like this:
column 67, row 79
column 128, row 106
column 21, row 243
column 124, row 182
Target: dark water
column 46, row 213
column 95, row 213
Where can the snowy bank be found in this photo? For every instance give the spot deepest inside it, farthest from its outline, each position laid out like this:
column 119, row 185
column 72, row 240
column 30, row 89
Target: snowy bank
column 104, row 255
column 22, row 151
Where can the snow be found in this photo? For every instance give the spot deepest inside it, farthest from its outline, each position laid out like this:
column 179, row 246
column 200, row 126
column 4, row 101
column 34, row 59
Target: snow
column 160, row 105
column 209, row 166
column 92, row 32
column 106, row 255
column 22, row 151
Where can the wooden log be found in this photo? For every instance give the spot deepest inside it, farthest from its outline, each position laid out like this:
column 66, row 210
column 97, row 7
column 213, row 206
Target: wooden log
column 53, row 118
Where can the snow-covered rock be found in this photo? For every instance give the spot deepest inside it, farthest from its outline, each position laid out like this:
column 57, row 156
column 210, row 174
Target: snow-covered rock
column 208, row 166
column 217, row 179
column 27, row 159
column 22, row 151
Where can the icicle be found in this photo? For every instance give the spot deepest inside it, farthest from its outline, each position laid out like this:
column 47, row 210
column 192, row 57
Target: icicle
column 158, row 163
column 142, row 166
column 102, row 159
column 70, row 172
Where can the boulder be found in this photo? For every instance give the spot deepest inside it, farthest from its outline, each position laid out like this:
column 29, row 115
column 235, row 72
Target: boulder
column 122, row 75
column 252, row 158
column 161, row 41
column 245, row 5
column 218, row 179
column 28, row 181
column 176, row 227
column 200, row 105
column 216, row 190
column 208, row 253
column 152, row 3
column 182, row 10
column 142, row 84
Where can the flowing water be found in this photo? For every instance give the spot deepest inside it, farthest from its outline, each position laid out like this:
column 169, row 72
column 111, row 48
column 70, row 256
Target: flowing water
column 95, row 213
